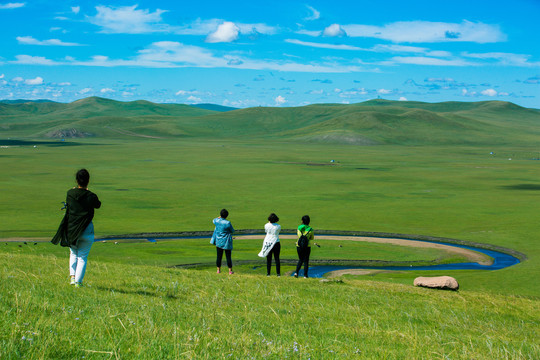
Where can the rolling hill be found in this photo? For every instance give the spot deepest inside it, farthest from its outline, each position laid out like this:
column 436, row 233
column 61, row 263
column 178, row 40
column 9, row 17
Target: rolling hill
column 368, row 123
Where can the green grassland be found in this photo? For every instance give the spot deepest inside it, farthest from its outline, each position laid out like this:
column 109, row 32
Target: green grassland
column 167, row 186
column 466, row 171
column 200, row 253
column 149, row 312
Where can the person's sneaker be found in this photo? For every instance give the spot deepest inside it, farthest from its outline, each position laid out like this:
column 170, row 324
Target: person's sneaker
column 278, row 275
column 72, row 281
column 295, row 275
column 219, row 271
column 78, row 285
column 305, row 277
column 231, row 272
column 267, row 274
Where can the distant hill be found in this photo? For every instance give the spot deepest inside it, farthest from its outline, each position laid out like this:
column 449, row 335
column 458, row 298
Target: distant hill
column 368, row 123
column 214, row 107
column 22, row 101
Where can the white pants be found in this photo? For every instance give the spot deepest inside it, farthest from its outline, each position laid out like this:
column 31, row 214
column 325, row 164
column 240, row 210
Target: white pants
column 79, row 254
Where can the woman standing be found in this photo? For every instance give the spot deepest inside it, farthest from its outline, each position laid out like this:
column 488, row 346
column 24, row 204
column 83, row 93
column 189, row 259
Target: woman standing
column 222, row 238
column 77, row 229
column 305, row 235
column 271, row 244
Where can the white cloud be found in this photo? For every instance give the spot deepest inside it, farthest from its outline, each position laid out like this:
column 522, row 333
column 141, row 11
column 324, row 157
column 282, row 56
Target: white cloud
column 399, row 49
column 33, row 60
column 280, row 100
column 170, row 54
column 402, row 98
column 106, row 91
column 313, row 33
column 199, row 27
column 323, row 46
column 334, row 30
column 11, row 6
column 384, row 91
column 86, row 91
column 17, row 79
column 187, row 92
column 410, row 49
column 2, row 76
column 489, row 92
column 247, row 29
column 194, row 99
column 504, row 58
column 29, row 40
column 422, row 60
column 315, row 15
column 377, row 48
column 65, row 84
column 76, row 9
column 226, row 32
column 353, row 93
column 37, row 81
column 56, row 28
column 128, row 20
column 427, row 31
column 438, row 53
column 205, row 27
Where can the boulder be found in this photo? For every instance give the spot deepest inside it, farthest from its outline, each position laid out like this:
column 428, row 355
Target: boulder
column 437, row 282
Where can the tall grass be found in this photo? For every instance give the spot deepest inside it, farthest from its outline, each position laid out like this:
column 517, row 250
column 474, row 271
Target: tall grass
column 146, row 312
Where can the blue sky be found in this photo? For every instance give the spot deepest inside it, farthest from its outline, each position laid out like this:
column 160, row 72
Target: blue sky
column 271, row 53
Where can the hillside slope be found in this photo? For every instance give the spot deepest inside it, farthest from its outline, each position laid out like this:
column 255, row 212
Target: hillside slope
column 148, row 312
column 367, row 123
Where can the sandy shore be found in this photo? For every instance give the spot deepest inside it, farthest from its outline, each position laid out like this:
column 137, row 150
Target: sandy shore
column 473, row 256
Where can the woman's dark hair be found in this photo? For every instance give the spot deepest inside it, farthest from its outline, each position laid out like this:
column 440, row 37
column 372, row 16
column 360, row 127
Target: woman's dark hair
column 305, row 219
column 224, row 213
column 83, row 178
column 273, row 218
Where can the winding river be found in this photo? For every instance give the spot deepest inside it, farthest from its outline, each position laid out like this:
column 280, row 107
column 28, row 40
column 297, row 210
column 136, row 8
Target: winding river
column 500, row 260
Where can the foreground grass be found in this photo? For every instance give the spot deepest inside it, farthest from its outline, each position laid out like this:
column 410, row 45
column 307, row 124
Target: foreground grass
column 129, row 311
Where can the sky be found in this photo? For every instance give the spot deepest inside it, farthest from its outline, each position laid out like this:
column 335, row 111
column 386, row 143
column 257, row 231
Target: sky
column 271, row 53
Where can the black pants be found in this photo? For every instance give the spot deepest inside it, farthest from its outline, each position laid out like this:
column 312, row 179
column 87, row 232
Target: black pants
column 220, row 256
column 303, row 258
column 275, row 250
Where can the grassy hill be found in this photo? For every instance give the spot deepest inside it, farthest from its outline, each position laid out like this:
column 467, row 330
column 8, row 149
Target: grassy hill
column 214, row 107
column 368, row 123
column 149, row 312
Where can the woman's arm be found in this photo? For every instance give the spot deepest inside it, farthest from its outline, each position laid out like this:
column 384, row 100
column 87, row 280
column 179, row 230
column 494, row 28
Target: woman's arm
column 96, row 202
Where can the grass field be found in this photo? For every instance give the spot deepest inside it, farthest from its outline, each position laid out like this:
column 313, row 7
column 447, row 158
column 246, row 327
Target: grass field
column 180, row 185
column 149, row 312
column 200, row 252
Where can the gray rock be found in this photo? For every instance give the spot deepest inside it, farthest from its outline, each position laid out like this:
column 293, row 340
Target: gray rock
column 437, row 282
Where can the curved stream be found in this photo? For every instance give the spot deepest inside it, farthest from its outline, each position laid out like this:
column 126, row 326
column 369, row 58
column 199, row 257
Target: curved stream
column 500, row 260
